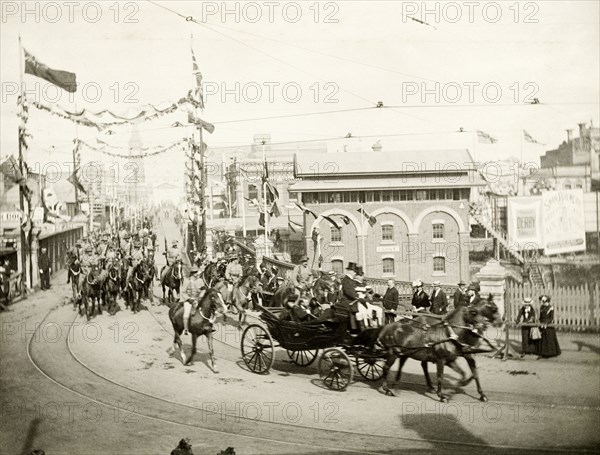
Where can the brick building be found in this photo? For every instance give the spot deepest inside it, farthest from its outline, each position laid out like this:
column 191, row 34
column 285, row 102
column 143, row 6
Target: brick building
column 419, row 200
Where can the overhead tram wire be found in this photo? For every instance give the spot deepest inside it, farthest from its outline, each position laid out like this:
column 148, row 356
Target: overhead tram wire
column 297, row 68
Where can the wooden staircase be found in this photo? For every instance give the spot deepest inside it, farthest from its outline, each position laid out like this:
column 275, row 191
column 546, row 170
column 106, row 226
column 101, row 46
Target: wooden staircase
column 497, row 233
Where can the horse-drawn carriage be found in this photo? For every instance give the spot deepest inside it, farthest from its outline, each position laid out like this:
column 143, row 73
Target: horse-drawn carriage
column 303, row 340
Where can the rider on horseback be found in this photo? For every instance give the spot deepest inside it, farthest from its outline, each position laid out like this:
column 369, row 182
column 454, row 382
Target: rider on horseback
column 88, row 259
column 72, row 256
column 194, row 292
column 173, row 256
column 137, row 256
column 233, row 274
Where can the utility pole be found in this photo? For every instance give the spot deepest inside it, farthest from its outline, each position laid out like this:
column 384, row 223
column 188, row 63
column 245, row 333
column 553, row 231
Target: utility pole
column 266, row 208
column 23, row 171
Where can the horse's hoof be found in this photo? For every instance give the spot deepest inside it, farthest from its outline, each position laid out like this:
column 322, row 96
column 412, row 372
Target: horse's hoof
column 171, row 350
column 386, row 391
column 483, row 398
column 215, row 370
column 444, row 399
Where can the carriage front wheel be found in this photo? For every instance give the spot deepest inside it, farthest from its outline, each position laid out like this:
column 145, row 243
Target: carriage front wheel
column 370, row 367
column 335, row 369
column 258, row 350
column 303, row 358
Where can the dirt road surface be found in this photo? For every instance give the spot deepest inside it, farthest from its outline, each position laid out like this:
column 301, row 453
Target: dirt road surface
column 108, row 386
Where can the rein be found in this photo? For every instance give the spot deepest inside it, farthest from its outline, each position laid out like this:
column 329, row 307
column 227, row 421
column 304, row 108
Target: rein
column 73, row 272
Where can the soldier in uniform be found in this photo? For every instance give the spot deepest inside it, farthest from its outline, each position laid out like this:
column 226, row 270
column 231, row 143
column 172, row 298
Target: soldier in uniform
column 45, row 270
column 88, row 259
column 137, row 256
column 233, row 274
column 302, row 276
column 193, row 293
column 173, row 256
column 125, row 240
column 73, row 255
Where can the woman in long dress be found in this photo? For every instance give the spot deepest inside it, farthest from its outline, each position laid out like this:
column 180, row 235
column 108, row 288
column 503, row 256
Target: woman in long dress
column 548, row 346
column 526, row 315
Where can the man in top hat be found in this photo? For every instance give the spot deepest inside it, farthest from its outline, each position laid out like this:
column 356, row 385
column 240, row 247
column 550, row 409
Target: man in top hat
column 359, row 276
column 192, row 294
column 439, row 301
column 460, row 296
column 348, row 294
column 302, row 276
column 45, row 270
column 420, row 299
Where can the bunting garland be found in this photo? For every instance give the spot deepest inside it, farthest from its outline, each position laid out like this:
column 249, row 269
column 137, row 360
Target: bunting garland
column 156, row 151
column 85, row 117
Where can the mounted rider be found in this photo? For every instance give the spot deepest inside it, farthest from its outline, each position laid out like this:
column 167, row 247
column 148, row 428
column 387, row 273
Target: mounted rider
column 233, row 275
column 73, row 255
column 302, row 277
column 136, row 257
column 173, row 256
column 88, row 259
column 125, row 241
column 193, row 293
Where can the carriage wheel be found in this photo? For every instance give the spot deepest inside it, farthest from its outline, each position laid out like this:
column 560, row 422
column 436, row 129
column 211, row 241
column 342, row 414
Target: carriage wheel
column 258, row 349
column 335, row 369
column 370, row 367
column 303, row 358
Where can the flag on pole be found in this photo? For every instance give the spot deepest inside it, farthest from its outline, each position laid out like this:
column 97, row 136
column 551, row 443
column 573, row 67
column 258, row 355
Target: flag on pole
column 75, row 182
column 63, row 79
column 332, row 221
column 485, row 138
column 346, row 220
column 293, row 225
column 198, row 121
column 530, row 138
column 198, row 75
column 275, row 210
column 306, row 210
column 372, row 220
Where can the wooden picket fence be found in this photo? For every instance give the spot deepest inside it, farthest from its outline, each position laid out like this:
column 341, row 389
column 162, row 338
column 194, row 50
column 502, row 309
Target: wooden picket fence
column 576, row 308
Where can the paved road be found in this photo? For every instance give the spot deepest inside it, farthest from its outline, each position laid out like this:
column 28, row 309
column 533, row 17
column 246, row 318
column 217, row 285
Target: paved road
column 108, row 387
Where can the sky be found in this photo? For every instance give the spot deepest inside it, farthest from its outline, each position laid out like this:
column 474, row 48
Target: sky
column 334, row 56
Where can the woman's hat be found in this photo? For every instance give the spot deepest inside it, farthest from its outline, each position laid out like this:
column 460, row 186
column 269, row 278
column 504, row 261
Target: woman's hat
column 527, row 300
column 546, row 296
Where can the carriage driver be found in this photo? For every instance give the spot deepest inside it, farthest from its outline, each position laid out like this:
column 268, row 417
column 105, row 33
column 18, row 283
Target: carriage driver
column 193, row 293
column 301, row 276
column 233, row 273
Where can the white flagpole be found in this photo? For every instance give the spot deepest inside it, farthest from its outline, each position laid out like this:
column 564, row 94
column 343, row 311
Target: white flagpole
column 242, row 201
column 26, row 275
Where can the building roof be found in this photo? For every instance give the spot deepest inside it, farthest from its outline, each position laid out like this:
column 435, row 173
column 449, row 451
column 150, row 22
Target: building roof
column 389, row 183
column 319, row 165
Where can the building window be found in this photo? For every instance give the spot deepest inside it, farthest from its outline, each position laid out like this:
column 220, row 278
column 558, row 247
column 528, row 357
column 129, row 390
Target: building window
column 336, row 234
column 377, row 196
column 252, row 192
column 337, row 266
column 388, row 265
column 567, row 186
column 438, row 231
column 578, row 186
column 387, row 232
column 439, row 264
column 386, row 196
column 421, row 195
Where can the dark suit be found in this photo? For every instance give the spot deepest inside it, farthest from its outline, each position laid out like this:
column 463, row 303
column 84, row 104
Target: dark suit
column 439, row 302
column 390, row 302
column 420, row 300
column 348, row 295
column 44, row 265
column 460, row 299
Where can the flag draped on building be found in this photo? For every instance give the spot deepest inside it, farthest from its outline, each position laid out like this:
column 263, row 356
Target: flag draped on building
column 63, row 79
column 485, row 138
column 305, row 210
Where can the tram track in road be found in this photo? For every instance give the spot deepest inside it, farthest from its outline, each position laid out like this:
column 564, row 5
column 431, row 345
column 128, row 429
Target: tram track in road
column 82, row 381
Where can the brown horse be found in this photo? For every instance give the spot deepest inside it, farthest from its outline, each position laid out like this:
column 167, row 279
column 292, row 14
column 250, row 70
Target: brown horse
column 429, row 339
column 112, row 287
column 91, row 291
column 172, row 279
column 201, row 323
column 76, row 284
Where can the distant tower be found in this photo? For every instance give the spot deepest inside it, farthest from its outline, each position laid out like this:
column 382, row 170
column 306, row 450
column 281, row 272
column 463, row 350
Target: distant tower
column 134, row 172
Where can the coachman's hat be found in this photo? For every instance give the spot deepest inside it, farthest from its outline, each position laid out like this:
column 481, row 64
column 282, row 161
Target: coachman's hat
column 359, row 270
column 351, row 266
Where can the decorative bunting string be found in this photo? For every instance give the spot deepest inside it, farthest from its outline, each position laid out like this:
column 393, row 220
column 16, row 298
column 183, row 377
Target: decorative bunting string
column 156, row 151
column 83, row 117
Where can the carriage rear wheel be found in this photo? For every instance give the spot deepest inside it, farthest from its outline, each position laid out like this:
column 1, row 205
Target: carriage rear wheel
column 303, row 358
column 335, row 369
column 370, row 367
column 258, row 350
